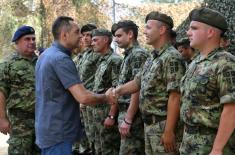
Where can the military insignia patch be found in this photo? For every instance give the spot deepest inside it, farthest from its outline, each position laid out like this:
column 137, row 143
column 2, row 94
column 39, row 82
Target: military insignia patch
column 174, row 67
column 229, row 76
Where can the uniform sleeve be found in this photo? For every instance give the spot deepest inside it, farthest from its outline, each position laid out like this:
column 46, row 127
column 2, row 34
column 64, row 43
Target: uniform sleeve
column 4, row 79
column 66, row 72
column 226, row 82
column 174, row 72
column 115, row 71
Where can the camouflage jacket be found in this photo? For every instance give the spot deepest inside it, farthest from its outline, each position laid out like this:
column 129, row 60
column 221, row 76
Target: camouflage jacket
column 207, row 85
column 87, row 67
column 107, row 73
column 160, row 75
column 17, row 82
column 134, row 59
column 77, row 59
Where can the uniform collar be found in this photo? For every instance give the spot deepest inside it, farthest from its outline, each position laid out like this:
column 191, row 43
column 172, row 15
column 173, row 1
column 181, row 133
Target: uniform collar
column 157, row 52
column 129, row 49
column 209, row 57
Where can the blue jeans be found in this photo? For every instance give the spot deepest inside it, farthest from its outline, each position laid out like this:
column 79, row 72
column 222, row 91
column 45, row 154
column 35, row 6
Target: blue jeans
column 64, row 148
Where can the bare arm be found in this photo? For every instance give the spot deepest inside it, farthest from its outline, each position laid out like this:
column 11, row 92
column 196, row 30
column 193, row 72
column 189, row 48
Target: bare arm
column 173, row 111
column 125, row 127
column 133, row 107
column 226, row 128
column 4, row 122
column 128, row 88
column 86, row 97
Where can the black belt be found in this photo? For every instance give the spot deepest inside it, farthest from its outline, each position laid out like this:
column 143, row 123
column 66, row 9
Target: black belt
column 199, row 130
column 152, row 119
column 21, row 113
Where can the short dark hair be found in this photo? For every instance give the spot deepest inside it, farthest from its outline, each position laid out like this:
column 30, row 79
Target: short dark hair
column 59, row 23
column 126, row 25
column 88, row 27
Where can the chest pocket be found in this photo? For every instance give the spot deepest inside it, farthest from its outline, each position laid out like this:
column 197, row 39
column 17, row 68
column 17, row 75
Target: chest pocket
column 21, row 74
column 125, row 73
column 199, row 84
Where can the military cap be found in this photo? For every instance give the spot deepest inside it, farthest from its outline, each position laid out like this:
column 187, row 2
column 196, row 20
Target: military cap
column 101, row 32
column 88, row 27
column 210, row 17
column 22, row 31
column 155, row 15
column 123, row 24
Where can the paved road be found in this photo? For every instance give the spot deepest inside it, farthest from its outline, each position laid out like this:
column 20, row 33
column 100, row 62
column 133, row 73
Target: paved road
column 3, row 144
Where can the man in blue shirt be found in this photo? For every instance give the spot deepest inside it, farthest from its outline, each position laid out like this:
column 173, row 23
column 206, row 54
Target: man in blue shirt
column 58, row 89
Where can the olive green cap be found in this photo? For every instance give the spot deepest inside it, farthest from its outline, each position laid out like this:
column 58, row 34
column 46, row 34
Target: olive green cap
column 210, row 17
column 155, row 15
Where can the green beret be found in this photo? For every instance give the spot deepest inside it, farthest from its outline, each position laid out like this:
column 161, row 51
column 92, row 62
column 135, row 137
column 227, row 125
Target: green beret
column 101, row 32
column 123, row 24
column 155, row 15
column 210, row 17
column 88, row 27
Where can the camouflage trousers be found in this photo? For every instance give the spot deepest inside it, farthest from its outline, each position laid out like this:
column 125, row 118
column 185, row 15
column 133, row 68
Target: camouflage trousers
column 201, row 144
column 153, row 134
column 134, row 144
column 107, row 140
column 22, row 136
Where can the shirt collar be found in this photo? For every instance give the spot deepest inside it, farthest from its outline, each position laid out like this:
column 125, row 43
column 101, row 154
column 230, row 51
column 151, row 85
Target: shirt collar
column 157, row 52
column 210, row 56
column 129, row 49
column 107, row 55
column 62, row 48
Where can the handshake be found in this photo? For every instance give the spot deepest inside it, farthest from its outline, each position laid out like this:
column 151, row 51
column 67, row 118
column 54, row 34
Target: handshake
column 112, row 96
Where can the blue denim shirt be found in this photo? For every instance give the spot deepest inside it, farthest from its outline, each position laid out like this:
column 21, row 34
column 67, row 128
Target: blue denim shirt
column 57, row 112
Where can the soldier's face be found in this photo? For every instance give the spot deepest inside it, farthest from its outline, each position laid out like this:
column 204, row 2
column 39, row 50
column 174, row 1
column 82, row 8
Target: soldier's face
column 197, row 34
column 86, row 37
column 26, row 45
column 151, row 32
column 122, row 38
column 99, row 43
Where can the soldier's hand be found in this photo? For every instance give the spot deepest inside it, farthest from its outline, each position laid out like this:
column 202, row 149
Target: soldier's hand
column 109, row 122
column 168, row 140
column 124, row 129
column 5, row 126
column 111, row 97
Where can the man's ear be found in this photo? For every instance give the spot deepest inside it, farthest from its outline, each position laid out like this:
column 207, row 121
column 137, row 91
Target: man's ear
column 130, row 34
column 162, row 29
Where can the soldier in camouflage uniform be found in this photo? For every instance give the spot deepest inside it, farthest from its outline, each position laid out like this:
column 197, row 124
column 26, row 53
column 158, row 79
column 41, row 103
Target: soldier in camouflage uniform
column 106, row 76
column 17, row 96
column 131, row 126
column 158, row 83
column 208, row 88
column 87, row 63
column 187, row 52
